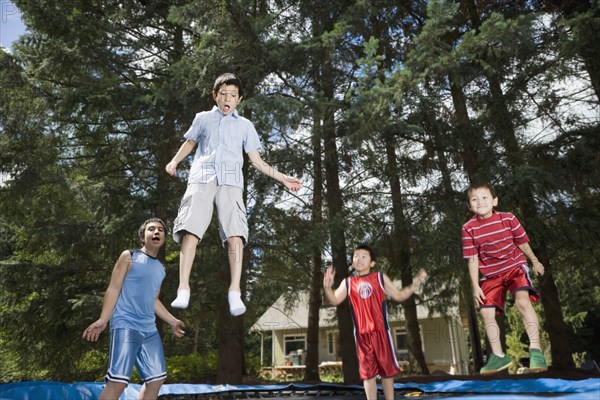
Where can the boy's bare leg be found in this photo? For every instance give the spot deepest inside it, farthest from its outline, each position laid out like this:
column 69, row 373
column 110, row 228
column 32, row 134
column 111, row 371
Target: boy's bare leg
column 150, row 390
column 388, row 388
column 112, row 390
column 235, row 253
column 492, row 329
column 530, row 318
column 187, row 253
column 370, row 388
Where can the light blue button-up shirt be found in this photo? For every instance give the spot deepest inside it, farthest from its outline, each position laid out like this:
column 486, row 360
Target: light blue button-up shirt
column 221, row 141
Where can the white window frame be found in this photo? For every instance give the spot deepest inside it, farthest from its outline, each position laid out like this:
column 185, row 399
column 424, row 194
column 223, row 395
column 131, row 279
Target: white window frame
column 293, row 338
column 401, row 331
column 331, row 343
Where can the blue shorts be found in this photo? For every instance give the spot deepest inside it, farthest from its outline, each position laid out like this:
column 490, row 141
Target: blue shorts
column 129, row 347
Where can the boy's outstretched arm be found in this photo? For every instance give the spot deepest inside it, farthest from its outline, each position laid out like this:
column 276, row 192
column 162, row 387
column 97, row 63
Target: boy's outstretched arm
column 290, row 182
column 185, row 149
column 111, row 295
column 398, row 294
column 474, row 275
column 334, row 298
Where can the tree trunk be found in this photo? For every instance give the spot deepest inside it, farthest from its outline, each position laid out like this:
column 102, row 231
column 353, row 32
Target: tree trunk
column 399, row 254
column 338, row 242
column 471, row 139
column 311, row 371
column 590, row 60
column 196, row 340
column 476, row 349
column 230, row 364
column 338, row 249
column 470, row 136
column 315, row 301
column 585, row 34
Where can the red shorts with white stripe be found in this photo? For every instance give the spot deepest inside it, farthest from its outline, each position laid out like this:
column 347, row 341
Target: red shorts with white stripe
column 495, row 287
column 376, row 355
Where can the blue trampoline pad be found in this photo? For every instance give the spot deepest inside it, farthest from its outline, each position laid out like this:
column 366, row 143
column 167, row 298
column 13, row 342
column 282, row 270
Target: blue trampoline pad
column 523, row 389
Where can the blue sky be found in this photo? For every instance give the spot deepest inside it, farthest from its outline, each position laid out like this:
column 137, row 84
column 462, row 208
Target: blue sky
column 11, row 26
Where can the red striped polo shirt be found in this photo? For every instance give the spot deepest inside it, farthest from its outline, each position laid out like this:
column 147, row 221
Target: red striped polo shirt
column 494, row 240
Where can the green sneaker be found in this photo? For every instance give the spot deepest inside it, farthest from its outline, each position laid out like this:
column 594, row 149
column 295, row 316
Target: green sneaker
column 537, row 362
column 496, row 364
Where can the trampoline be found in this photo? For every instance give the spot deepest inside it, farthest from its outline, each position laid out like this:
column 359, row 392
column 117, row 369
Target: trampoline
column 517, row 389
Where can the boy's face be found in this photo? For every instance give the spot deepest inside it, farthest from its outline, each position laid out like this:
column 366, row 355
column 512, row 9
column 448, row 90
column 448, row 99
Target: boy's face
column 361, row 261
column 481, row 202
column 227, row 98
column 154, row 235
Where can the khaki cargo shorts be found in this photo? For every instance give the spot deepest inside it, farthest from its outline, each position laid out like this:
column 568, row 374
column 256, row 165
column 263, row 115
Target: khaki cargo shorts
column 196, row 210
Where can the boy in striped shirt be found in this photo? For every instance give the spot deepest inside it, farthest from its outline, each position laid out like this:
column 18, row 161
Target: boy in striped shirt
column 495, row 244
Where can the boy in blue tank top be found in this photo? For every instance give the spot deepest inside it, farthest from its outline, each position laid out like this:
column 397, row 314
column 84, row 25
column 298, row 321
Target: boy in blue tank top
column 131, row 303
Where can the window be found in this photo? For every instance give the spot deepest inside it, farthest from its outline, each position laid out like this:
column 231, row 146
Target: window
column 401, row 344
column 294, row 343
column 331, row 343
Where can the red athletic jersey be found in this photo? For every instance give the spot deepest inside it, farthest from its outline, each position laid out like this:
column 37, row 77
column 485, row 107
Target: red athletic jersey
column 367, row 300
column 374, row 343
column 494, row 240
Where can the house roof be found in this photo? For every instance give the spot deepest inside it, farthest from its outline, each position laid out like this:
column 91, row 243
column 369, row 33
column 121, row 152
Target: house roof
column 291, row 316
column 294, row 314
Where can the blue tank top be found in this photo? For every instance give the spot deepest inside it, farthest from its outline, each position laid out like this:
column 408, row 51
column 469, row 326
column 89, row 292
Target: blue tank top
column 135, row 305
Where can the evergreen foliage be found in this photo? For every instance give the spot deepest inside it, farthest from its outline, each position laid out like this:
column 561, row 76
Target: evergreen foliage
column 386, row 110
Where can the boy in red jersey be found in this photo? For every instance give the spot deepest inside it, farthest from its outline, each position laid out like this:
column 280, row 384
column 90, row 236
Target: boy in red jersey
column 367, row 293
column 495, row 244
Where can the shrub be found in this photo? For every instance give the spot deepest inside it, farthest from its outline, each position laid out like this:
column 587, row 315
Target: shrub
column 91, row 366
column 191, row 368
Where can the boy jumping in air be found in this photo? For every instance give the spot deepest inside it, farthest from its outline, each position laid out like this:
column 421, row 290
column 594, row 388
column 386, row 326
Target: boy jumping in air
column 221, row 136
column 495, row 245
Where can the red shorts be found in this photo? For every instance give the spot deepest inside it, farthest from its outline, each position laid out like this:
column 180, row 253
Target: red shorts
column 495, row 287
column 376, row 355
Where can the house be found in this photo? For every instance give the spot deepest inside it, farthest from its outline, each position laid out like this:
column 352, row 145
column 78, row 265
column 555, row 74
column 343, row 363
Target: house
column 444, row 337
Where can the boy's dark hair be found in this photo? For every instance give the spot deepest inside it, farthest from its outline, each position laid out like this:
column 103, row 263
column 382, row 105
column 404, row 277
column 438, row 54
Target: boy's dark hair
column 364, row 246
column 480, row 185
column 228, row 79
column 146, row 222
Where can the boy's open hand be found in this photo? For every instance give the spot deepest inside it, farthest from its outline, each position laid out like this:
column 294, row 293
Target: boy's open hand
column 293, row 184
column 93, row 331
column 419, row 278
column 478, row 295
column 538, row 268
column 328, row 277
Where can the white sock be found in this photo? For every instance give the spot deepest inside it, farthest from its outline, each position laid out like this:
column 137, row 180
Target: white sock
column 236, row 305
column 182, row 300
